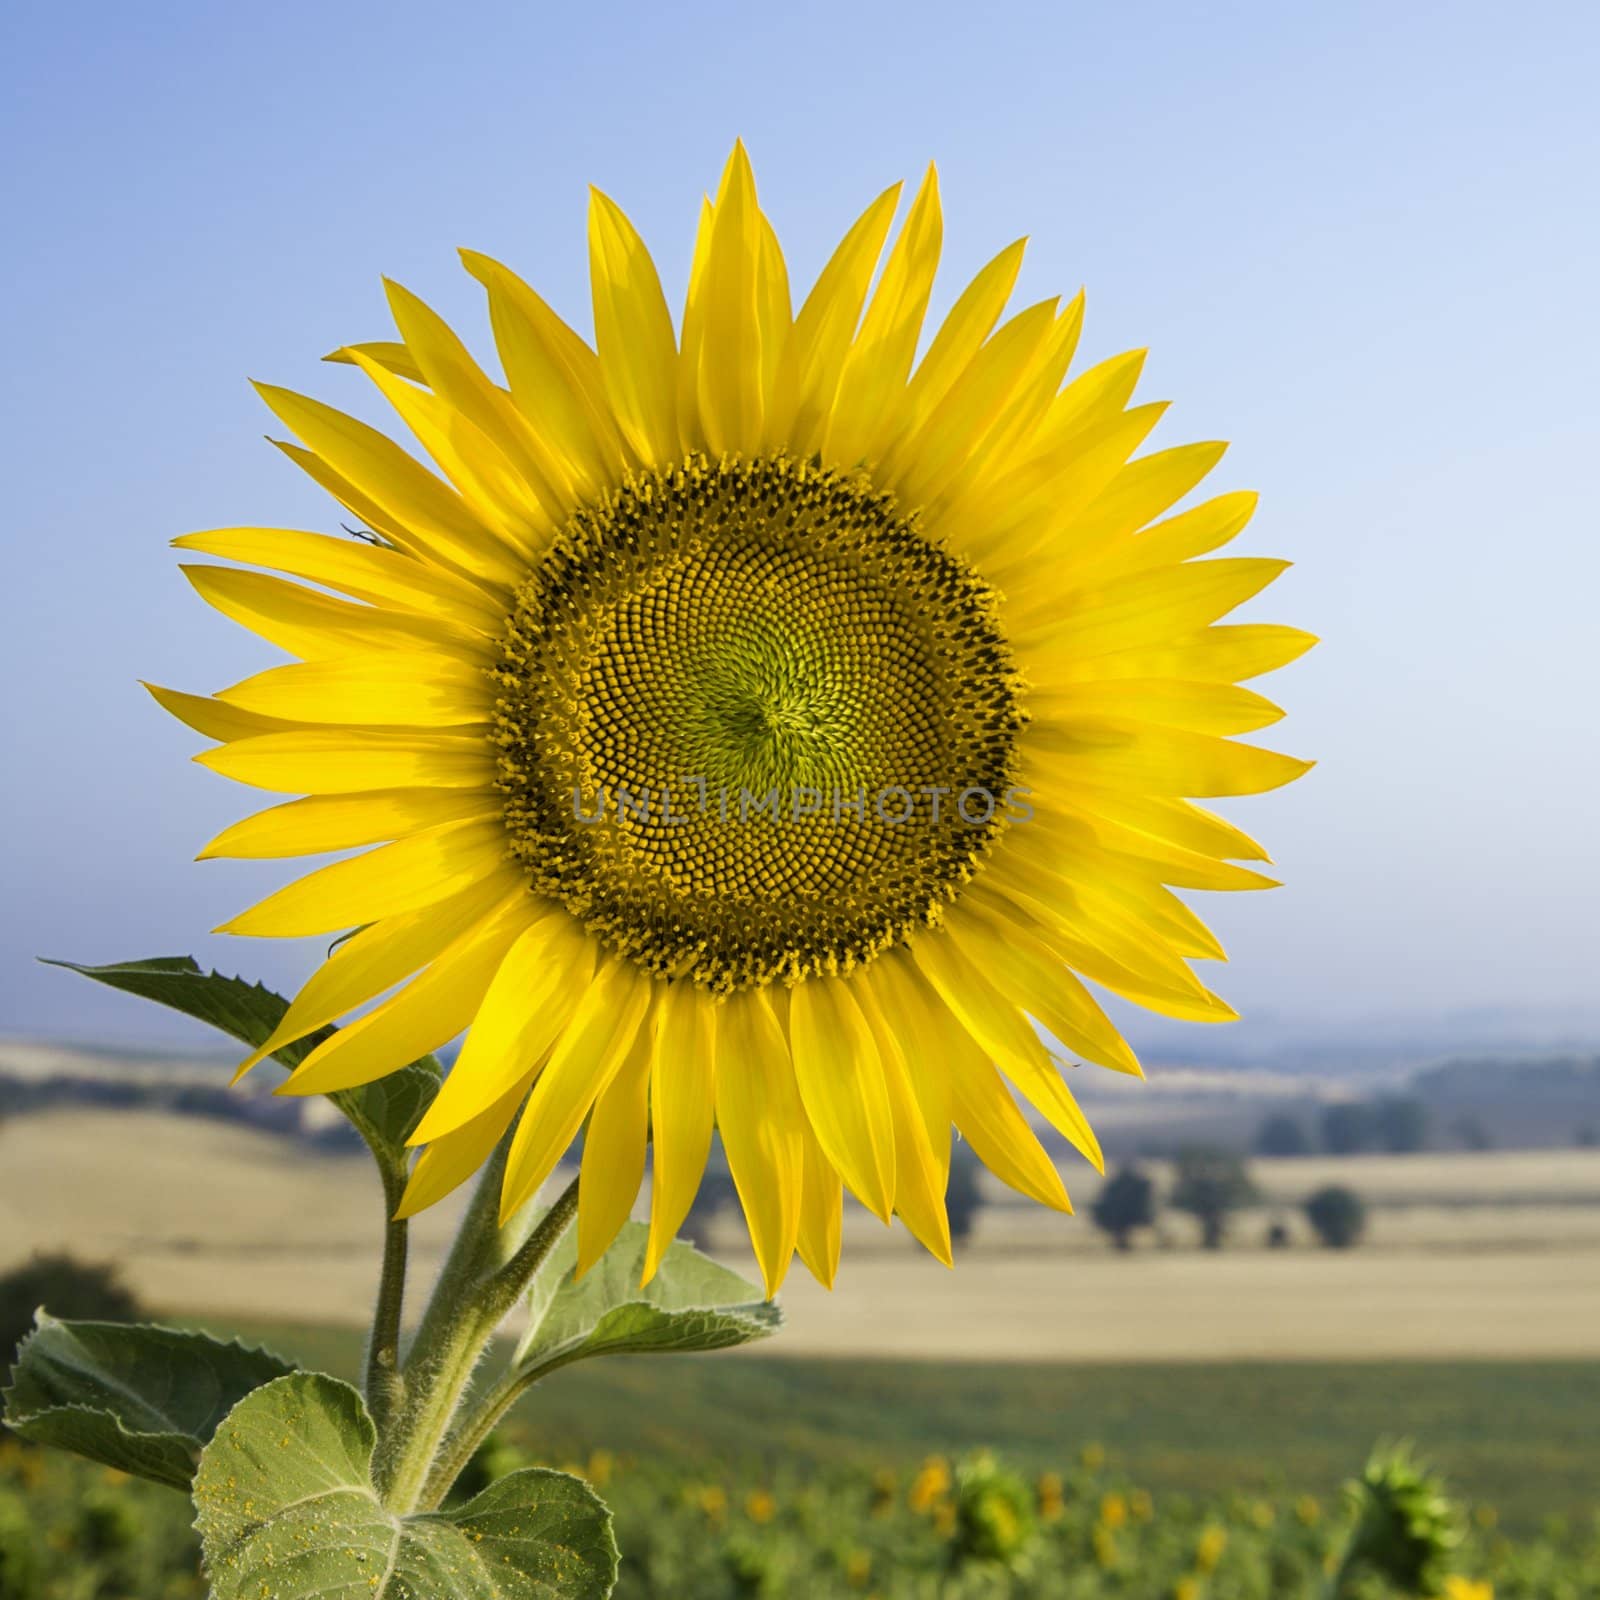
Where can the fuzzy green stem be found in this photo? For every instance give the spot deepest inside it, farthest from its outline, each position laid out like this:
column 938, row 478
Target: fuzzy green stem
column 477, row 1287
column 384, row 1384
column 464, row 1441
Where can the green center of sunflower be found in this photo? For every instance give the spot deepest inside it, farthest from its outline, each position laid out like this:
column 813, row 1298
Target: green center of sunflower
column 752, row 724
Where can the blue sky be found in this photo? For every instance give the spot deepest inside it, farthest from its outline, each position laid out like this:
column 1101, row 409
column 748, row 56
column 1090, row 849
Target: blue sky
column 1360, row 241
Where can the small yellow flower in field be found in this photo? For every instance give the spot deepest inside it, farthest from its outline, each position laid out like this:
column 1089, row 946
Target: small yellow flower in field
column 573, row 1469
column 1113, row 1511
column 1308, row 1511
column 1485, row 1516
column 931, row 1484
column 1049, row 1493
column 1187, row 1589
column 858, row 1569
column 1458, row 1588
column 113, row 1476
column 760, row 1506
column 1105, row 1548
column 601, row 1466
column 1093, row 1457
column 1142, row 1507
column 713, row 1500
column 1208, row 1552
column 1262, row 1514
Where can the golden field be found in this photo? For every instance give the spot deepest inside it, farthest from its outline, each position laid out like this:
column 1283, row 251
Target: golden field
column 1493, row 1254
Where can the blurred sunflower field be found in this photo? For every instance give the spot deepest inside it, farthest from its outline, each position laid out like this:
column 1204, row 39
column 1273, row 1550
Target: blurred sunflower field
column 938, row 1528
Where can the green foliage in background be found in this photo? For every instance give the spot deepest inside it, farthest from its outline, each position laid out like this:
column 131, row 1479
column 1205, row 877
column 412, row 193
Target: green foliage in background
column 303, row 1485
column 972, row 1528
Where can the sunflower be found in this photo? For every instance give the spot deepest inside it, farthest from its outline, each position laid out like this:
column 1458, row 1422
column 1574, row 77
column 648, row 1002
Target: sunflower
column 758, row 728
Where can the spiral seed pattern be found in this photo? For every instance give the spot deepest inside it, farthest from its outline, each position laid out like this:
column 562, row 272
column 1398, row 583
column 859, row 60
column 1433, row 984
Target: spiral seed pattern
column 706, row 689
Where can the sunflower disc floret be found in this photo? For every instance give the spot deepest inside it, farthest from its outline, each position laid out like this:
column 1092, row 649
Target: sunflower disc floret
column 753, row 725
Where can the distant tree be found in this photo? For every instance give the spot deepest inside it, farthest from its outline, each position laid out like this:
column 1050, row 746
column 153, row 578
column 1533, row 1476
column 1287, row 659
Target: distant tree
column 1346, row 1127
column 1338, row 1216
column 963, row 1199
column 1472, row 1133
column 1401, row 1122
column 1282, row 1135
column 1278, row 1236
column 1125, row 1202
column 715, row 1195
column 65, row 1287
column 1587, row 1137
column 1211, row 1185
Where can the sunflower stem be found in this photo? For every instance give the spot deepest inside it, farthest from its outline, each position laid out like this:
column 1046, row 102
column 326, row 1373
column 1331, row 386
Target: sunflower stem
column 384, row 1384
column 477, row 1287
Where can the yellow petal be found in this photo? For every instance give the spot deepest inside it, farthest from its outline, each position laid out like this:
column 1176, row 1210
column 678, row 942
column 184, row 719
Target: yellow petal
column 388, row 353
column 380, row 956
column 324, row 823
column 430, row 1011
column 1142, row 490
column 762, row 1123
column 500, row 497
column 417, row 871
column 1113, row 950
column 1092, row 398
column 214, row 720
column 1032, row 505
column 614, row 1152
column 529, row 1003
column 555, row 377
column 1148, row 608
column 919, row 1174
column 1175, row 822
column 447, row 1163
column 595, row 1044
column 422, row 514
column 691, row 431
column 840, row 1075
column 633, row 333
column 958, row 340
column 1167, row 761
column 389, row 688
column 729, row 392
column 922, row 1026
column 1200, row 707
column 880, row 357
column 1219, row 655
column 814, row 355
column 369, row 572
column 998, row 1132
column 1030, row 974
column 773, row 309
column 349, row 760
column 456, row 378
column 821, row 1212
column 682, row 1111
column 995, row 1021
column 1196, row 532
column 1005, row 439
column 919, row 468
column 308, row 624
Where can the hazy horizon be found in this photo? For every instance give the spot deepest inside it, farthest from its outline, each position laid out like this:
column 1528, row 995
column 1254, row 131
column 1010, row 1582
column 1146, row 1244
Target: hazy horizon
column 1354, row 242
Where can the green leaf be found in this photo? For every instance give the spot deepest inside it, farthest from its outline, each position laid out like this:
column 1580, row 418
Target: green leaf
column 383, row 1112
column 286, row 1508
column 139, row 1398
column 690, row 1304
